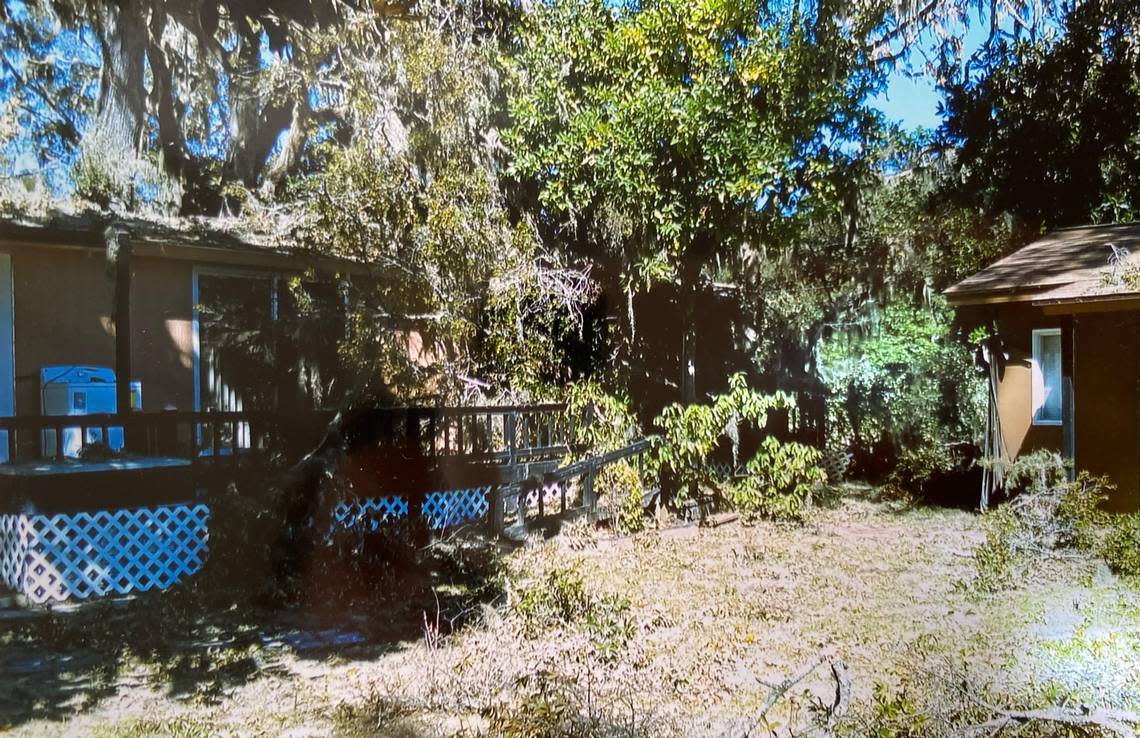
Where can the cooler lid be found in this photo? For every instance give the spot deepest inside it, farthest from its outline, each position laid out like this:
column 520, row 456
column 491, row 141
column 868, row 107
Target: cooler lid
column 76, row 374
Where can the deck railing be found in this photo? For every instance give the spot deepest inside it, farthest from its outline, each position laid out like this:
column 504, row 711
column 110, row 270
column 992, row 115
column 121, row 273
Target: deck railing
column 489, row 434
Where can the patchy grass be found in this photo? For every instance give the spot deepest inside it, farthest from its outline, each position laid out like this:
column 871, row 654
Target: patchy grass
column 677, row 632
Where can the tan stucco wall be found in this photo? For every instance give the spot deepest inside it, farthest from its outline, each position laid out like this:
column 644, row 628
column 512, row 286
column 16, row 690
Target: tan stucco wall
column 62, row 315
column 1015, row 403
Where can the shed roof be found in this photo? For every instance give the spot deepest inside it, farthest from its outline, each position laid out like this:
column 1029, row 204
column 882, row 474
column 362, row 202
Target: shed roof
column 1065, row 265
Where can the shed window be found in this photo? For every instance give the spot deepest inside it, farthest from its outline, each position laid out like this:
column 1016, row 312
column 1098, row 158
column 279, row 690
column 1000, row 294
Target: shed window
column 1047, row 377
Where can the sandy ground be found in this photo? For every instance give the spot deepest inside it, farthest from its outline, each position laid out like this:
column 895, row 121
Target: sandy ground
column 715, row 617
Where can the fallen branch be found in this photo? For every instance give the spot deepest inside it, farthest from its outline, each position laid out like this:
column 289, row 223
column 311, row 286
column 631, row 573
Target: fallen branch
column 1117, row 722
column 777, row 691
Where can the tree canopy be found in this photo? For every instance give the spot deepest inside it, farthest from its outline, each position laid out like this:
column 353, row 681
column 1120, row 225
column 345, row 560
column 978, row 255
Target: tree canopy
column 677, row 140
column 1047, row 130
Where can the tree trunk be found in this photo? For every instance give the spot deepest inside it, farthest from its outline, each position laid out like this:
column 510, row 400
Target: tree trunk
column 121, row 108
column 172, row 141
column 688, row 300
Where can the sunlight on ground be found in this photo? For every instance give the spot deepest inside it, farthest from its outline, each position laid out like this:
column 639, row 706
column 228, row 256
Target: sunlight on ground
column 716, row 615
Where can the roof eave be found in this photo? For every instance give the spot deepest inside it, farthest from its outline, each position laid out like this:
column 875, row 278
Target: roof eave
column 990, row 297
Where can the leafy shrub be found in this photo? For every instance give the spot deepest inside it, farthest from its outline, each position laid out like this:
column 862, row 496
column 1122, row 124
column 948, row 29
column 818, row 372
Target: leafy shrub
column 923, row 471
column 780, row 482
column 1121, row 548
column 902, row 394
column 623, row 485
column 612, row 421
column 692, row 432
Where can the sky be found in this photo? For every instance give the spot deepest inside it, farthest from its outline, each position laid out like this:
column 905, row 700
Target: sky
column 912, row 100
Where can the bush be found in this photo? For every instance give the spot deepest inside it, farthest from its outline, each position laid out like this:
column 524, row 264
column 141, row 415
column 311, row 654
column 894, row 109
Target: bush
column 612, row 422
column 780, row 482
column 1121, row 548
column 692, row 432
column 903, row 394
column 622, row 484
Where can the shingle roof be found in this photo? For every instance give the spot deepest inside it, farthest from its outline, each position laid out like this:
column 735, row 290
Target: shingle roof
column 86, row 228
column 1067, row 264
column 201, row 239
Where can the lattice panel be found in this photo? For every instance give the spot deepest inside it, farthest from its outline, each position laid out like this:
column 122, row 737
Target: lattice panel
column 445, row 509
column 723, row 470
column 551, row 496
column 80, row 555
column 372, row 509
column 13, row 549
column 441, row 509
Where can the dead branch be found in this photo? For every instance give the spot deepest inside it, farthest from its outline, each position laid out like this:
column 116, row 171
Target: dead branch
column 777, row 691
column 842, row 701
column 1117, row 722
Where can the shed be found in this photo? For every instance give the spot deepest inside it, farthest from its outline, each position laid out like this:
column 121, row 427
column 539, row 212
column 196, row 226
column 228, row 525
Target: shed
column 1066, row 309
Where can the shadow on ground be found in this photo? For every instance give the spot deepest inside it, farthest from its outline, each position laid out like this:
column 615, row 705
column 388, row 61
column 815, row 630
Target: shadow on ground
column 197, row 643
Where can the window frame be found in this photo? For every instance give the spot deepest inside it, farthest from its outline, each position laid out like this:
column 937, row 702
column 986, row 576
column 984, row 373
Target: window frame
column 1037, row 378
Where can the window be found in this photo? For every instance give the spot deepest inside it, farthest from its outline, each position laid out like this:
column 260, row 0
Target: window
column 1047, row 377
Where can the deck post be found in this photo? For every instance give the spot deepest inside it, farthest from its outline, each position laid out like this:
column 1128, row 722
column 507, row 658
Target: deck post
column 498, row 510
column 1068, row 435
column 119, row 264
column 589, row 498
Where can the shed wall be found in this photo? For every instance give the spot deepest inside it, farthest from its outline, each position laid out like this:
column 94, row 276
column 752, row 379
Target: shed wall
column 1106, row 411
column 1106, row 389
column 1015, row 400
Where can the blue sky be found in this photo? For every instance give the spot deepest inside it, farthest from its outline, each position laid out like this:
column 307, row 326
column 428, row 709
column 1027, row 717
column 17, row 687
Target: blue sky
column 910, row 102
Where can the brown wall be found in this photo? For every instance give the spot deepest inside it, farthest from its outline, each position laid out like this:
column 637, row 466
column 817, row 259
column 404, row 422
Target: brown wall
column 1106, row 404
column 62, row 315
column 162, row 354
column 1106, row 410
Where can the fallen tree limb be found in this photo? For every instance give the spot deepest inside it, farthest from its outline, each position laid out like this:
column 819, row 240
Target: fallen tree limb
column 840, row 703
column 1118, row 722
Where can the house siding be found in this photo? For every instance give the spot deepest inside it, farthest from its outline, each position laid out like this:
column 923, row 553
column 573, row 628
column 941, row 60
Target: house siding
column 162, row 349
column 62, row 315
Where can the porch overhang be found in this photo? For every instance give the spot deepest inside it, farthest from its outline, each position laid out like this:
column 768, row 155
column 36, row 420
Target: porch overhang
column 195, row 244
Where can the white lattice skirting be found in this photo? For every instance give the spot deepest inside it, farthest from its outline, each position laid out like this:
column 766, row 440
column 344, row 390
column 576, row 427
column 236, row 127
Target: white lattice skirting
column 79, row 555
column 442, row 509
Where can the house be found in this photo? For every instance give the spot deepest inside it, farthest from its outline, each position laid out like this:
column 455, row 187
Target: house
column 1066, row 310
column 202, row 306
